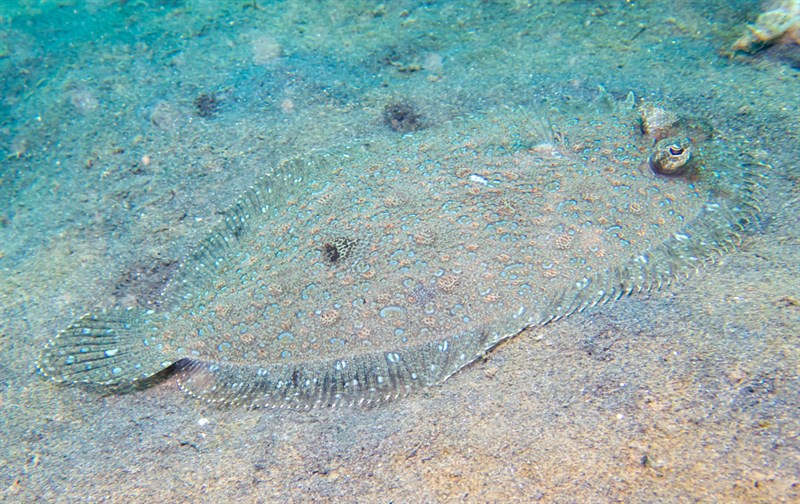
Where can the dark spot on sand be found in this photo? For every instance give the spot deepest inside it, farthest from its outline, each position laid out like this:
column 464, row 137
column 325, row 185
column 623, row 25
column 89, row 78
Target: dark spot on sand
column 207, row 105
column 402, row 117
column 143, row 283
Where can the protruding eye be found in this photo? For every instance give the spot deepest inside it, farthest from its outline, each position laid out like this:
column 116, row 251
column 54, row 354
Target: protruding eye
column 675, row 150
column 671, row 156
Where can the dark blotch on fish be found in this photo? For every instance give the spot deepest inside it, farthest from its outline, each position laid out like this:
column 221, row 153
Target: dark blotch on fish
column 338, row 249
column 330, row 252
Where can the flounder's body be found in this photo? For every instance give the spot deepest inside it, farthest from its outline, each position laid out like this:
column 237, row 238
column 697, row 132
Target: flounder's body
column 361, row 274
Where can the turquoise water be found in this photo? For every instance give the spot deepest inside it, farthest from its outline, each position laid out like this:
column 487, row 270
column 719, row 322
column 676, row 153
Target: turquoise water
column 125, row 124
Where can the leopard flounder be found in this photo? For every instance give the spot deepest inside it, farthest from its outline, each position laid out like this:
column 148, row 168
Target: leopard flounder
column 358, row 275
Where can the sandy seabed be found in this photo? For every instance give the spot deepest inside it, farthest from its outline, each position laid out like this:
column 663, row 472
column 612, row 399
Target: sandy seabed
column 125, row 123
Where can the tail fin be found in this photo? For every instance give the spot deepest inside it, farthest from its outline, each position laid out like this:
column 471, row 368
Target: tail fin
column 114, row 347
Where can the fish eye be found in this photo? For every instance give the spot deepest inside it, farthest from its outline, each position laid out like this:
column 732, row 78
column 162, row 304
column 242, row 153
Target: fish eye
column 675, row 150
column 671, row 157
